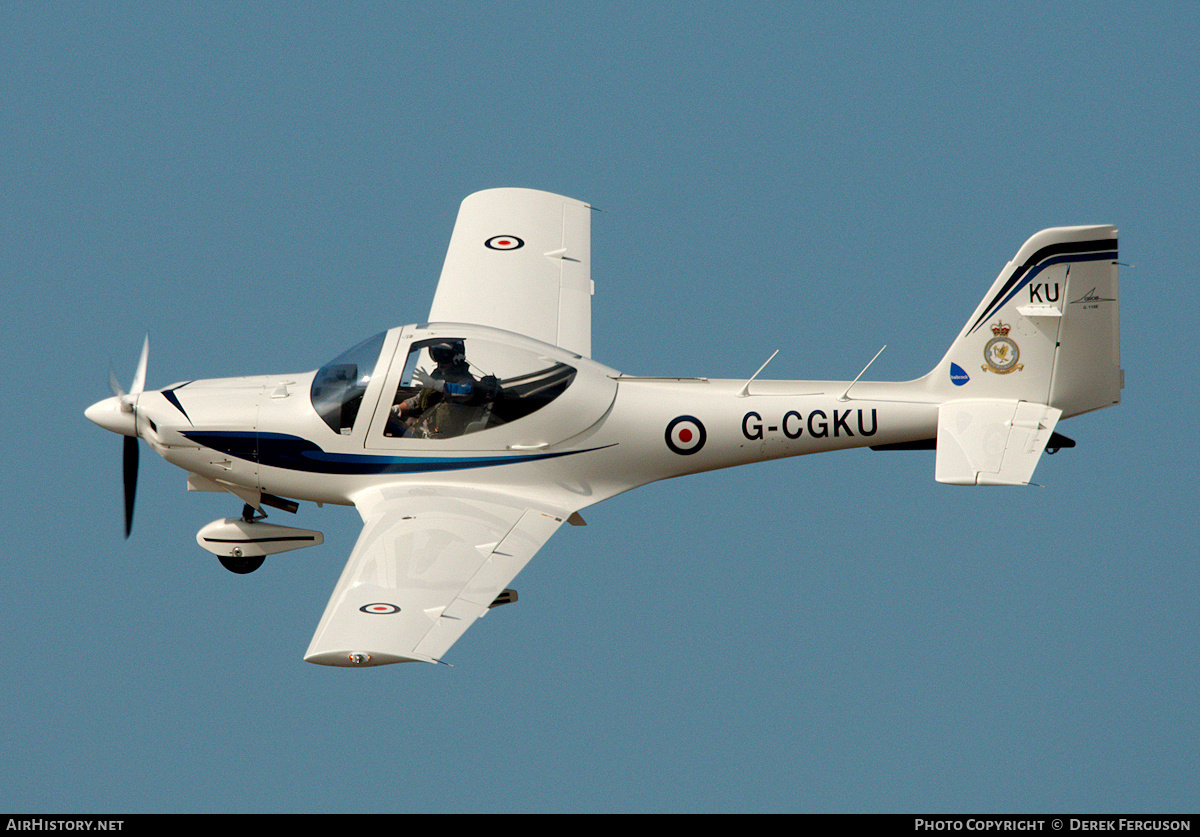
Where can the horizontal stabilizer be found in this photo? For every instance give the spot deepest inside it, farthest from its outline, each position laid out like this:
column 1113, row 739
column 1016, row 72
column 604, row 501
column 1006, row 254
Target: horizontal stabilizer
column 991, row 442
column 1057, row 442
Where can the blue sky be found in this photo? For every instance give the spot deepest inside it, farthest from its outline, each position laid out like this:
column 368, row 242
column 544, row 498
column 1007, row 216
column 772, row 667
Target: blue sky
column 261, row 187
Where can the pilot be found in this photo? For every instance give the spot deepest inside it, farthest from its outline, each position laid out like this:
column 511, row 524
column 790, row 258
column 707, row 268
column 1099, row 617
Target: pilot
column 449, row 398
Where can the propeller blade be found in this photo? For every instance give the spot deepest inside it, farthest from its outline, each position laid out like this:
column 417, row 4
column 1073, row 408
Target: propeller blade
column 113, row 383
column 139, row 377
column 129, row 461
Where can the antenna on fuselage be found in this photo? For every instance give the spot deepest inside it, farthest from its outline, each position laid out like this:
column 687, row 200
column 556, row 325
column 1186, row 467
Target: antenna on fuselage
column 746, row 389
column 846, row 395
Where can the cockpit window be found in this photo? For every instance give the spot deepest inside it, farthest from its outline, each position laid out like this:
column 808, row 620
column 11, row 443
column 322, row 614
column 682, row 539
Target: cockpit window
column 453, row 387
column 338, row 388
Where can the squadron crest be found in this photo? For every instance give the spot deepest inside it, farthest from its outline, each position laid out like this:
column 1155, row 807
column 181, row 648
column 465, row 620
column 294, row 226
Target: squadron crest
column 1001, row 352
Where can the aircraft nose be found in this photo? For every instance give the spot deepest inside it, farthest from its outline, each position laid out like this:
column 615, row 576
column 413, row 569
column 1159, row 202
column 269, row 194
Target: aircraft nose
column 111, row 415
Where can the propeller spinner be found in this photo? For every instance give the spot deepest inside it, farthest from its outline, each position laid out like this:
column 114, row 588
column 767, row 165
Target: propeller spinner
column 119, row 414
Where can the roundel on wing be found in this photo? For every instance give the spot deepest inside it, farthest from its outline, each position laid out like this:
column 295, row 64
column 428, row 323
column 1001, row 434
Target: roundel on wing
column 380, row 608
column 504, row 242
column 685, row 435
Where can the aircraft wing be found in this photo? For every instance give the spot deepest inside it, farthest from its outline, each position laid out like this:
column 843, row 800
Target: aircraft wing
column 425, row 567
column 520, row 260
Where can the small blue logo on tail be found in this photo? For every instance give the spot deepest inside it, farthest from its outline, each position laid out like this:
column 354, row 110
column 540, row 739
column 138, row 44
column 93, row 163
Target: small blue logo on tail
column 958, row 375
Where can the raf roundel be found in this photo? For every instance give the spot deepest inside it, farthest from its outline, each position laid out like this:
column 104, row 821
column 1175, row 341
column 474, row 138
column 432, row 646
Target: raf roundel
column 504, row 242
column 685, row 435
column 380, row 608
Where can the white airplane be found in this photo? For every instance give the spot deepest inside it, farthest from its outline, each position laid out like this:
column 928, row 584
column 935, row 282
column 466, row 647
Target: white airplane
column 464, row 442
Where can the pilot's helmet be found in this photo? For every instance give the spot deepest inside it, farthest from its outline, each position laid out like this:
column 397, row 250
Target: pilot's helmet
column 448, row 351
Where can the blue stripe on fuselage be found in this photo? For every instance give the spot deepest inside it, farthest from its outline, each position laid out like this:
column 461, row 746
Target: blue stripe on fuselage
column 293, row 453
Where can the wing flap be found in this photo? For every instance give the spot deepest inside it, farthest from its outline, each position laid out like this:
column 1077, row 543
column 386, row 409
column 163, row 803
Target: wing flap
column 424, row 568
column 520, row 260
column 500, row 567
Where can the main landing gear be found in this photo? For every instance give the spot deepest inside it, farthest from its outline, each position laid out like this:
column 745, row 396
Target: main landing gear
column 241, row 544
column 236, row 561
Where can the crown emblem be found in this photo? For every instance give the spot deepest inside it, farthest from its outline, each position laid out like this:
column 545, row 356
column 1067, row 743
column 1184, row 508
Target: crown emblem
column 1001, row 352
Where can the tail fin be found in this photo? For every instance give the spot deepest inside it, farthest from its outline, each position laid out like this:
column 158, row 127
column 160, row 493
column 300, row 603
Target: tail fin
column 1048, row 331
column 1043, row 344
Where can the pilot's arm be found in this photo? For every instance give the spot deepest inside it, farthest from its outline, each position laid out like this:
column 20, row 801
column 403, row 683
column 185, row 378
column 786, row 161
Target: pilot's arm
column 460, row 389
